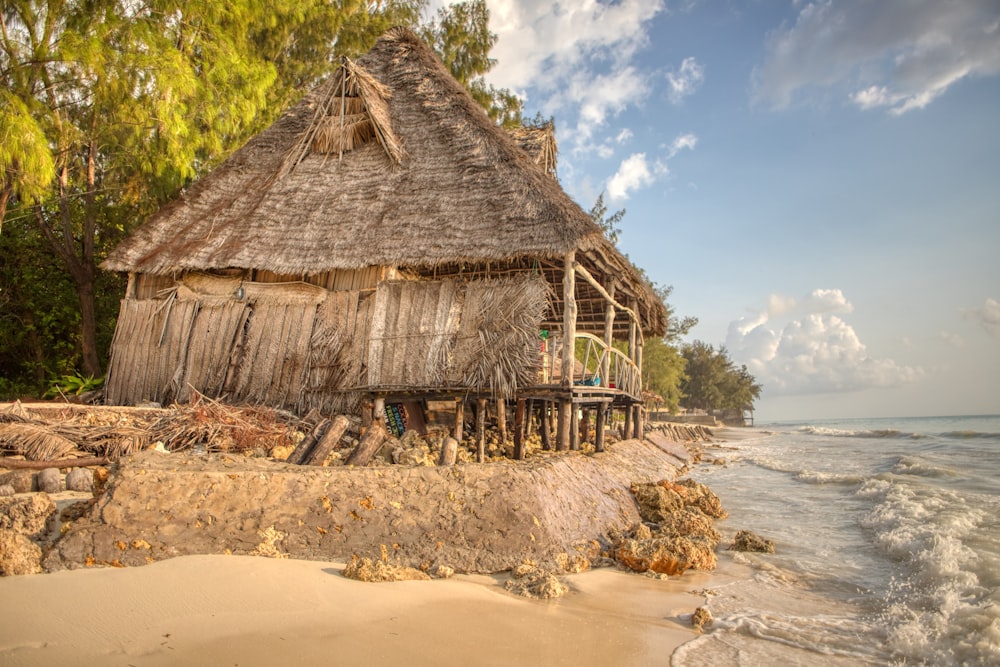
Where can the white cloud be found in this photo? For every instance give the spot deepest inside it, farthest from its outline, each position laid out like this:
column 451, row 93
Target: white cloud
column 633, row 173
column 623, row 136
column 801, row 346
column 685, row 81
column 682, row 142
column 987, row 317
column 894, row 54
column 636, row 172
column 575, row 55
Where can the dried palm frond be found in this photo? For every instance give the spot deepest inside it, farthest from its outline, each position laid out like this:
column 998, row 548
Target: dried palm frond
column 35, row 441
column 509, row 315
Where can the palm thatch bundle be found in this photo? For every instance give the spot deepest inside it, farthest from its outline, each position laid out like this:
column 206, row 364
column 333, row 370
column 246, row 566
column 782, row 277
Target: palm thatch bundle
column 36, row 442
column 539, row 141
column 508, row 314
column 351, row 111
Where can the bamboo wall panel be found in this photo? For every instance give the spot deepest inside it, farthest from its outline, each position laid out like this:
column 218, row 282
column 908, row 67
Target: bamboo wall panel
column 149, row 350
column 274, row 354
column 210, row 347
column 413, row 325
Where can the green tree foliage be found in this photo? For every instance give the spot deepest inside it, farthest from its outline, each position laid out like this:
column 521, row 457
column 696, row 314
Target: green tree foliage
column 109, row 107
column 609, row 224
column 461, row 36
column 714, row 382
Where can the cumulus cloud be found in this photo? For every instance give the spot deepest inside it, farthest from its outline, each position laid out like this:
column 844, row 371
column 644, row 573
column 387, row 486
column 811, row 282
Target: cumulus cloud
column 633, row 173
column 988, row 317
column 804, row 346
column 685, row 80
column 636, row 171
column 576, row 56
column 897, row 55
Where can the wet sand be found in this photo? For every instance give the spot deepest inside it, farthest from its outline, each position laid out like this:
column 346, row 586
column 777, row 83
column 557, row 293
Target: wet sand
column 241, row 610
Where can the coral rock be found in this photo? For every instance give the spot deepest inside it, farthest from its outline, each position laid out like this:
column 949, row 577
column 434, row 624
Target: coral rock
column 748, row 541
column 27, row 514
column 18, row 554
column 50, row 480
column 701, row 618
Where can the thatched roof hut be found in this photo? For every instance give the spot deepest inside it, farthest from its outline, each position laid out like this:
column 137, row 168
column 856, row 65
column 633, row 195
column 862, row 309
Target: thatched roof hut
column 389, row 171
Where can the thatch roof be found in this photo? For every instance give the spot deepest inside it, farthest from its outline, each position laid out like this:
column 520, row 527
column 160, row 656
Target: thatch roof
column 388, row 163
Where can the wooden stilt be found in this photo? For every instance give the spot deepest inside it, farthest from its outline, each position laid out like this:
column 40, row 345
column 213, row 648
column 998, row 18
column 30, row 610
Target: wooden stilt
column 459, row 431
column 639, row 422
column 602, row 413
column 529, row 423
column 574, row 430
column 519, row 430
column 502, row 420
column 546, row 426
column 378, row 410
column 585, row 426
column 563, row 427
column 627, row 432
column 481, row 430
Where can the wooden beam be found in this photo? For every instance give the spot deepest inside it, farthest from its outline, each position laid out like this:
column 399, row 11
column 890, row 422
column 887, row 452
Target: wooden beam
column 609, row 333
column 585, row 274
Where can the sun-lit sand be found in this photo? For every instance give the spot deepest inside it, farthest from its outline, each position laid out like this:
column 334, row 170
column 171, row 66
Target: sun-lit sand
column 232, row 610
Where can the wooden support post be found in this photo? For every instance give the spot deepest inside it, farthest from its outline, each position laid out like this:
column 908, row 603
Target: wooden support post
column 519, row 430
column 378, row 410
column 639, row 422
column 502, row 420
column 529, row 424
column 627, row 432
column 585, row 426
column 459, row 431
column 566, row 430
column 369, row 444
column 481, row 430
column 546, row 426
column 317, row 455
column 574, row 430
column 602, row 413
column 563, row 428
column 609, row 334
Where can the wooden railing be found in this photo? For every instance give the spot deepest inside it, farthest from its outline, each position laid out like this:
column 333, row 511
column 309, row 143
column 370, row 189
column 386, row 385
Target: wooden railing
column 598, row 365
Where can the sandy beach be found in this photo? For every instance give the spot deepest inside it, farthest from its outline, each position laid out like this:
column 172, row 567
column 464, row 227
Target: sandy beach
column 241, row 610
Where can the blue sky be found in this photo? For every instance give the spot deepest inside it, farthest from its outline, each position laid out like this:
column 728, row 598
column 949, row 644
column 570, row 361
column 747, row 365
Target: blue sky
column 819, row 182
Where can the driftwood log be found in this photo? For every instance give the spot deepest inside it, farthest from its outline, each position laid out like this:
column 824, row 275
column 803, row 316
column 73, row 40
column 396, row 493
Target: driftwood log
column 369, row 444
column 326, row 443
column 302, row 451
column 61, row 463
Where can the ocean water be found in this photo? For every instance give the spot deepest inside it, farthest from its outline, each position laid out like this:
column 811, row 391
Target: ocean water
column 887, row 535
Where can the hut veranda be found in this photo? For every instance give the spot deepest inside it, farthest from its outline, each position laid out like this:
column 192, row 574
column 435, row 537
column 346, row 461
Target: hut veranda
column 384, row 246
